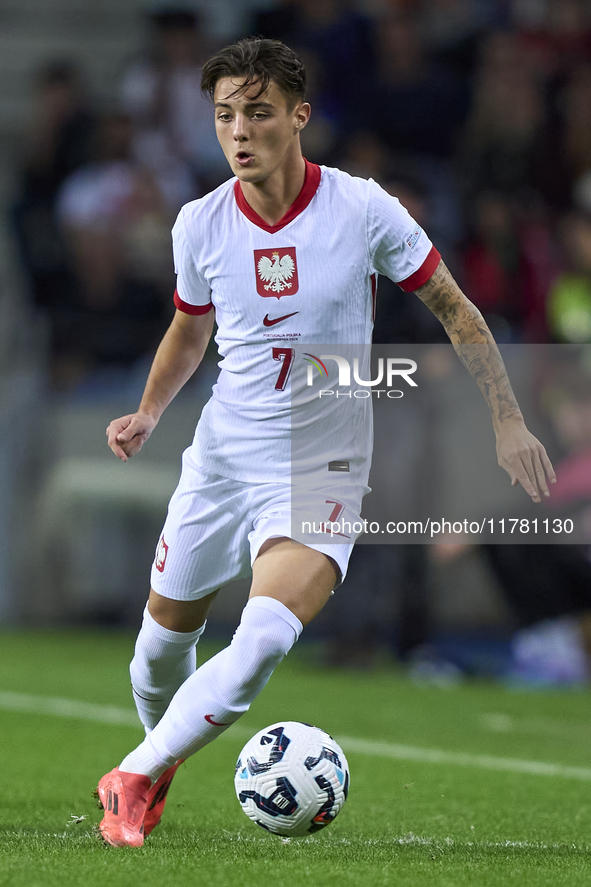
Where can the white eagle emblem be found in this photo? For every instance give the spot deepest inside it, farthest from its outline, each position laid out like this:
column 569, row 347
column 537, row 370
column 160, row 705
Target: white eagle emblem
column 276, row 271
column 161, row 552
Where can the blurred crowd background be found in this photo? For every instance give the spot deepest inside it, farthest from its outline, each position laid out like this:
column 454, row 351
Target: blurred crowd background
column 475, row 113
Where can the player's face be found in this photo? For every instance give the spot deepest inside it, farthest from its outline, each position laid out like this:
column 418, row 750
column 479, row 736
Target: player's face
column 259, row 134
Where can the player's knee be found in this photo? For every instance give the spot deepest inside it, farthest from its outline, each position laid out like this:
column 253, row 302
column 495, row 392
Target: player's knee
column 179, row 615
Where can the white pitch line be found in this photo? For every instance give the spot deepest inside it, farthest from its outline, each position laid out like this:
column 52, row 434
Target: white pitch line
column 111, row 714
column 83, row 711
column 68, row 708
column 500, row 722
column 462, row 759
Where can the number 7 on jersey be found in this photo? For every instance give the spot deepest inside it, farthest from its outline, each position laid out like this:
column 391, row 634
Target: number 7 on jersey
column 286, row 356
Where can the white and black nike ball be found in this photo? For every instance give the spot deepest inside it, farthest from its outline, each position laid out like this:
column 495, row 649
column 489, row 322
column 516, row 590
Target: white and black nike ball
column 292, row 779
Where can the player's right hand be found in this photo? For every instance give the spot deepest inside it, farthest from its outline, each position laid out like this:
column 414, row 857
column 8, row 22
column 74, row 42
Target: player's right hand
column 127, row 435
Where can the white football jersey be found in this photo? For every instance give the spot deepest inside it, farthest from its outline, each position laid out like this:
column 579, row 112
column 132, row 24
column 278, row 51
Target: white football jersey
column 311, row 278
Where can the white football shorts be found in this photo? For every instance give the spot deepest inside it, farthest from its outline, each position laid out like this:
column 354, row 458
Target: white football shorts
column 216, row 526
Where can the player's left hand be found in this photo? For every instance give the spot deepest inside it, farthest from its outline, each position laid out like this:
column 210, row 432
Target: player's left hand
column 524, row 459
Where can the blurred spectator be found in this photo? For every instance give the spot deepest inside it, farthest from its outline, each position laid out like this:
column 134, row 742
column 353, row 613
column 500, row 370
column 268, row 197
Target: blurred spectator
column 492, row 261
column 508, row 266
column 58, row 143
column 576, row 104
column 540, row 263
column 415, row 111
column 453, row 28
column 117, row 225
column 569, row 299
column 556, row 41
column 336, row 33
column 173, row 124
column 507, row 117
column 412, row 105
column 557, row 30
column 571, row 414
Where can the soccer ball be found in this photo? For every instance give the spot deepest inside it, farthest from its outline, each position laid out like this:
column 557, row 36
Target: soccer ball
column 292, row 779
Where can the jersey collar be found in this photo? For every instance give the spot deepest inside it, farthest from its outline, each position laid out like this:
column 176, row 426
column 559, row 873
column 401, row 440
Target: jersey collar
column 309, row 188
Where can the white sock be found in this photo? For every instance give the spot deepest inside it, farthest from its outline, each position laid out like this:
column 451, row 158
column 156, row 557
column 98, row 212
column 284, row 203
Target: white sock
column 221, row 690
column 163, row 661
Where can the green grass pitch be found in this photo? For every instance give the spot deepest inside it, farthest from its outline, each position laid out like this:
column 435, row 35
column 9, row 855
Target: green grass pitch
column 411, row 819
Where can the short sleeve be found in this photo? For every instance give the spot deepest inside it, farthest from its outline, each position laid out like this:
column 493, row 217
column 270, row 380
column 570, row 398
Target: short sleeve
column 193, row 294
column 399, row 248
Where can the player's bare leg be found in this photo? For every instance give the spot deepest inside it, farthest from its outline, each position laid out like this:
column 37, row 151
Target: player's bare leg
column 298, row 576
column 182, row 616
column 285, row 575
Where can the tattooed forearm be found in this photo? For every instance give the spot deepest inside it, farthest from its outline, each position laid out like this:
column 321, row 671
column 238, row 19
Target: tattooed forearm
column 473, row 342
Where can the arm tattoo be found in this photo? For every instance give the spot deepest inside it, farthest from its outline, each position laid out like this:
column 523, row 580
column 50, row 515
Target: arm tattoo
column 473, row 342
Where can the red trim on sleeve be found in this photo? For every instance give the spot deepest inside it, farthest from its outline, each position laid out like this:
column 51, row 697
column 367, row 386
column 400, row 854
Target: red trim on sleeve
column 422, row 274
column 309, row 188
column 187, row 308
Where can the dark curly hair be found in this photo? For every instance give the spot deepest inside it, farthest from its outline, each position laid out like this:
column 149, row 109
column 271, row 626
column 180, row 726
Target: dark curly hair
column 257, row 60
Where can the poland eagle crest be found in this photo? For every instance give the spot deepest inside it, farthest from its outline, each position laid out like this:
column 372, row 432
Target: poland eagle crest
column 161, row 552
column 276, row 272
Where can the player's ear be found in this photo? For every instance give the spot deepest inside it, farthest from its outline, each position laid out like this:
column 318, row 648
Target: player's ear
column 301, row 115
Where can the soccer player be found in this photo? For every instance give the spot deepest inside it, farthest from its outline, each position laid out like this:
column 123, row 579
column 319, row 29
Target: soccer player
column 281, row 227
